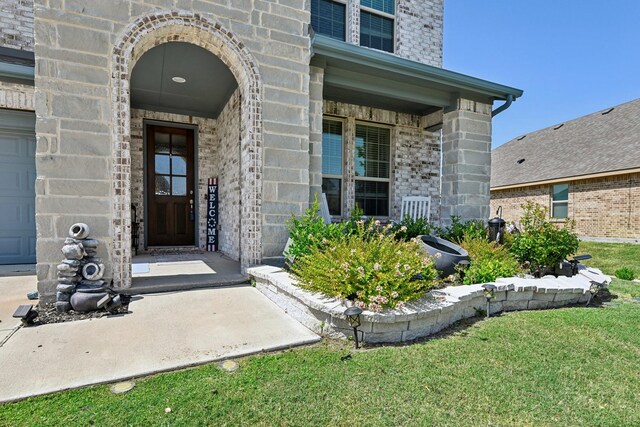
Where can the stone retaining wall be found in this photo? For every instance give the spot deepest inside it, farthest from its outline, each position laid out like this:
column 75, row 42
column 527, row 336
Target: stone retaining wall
column 324, row 315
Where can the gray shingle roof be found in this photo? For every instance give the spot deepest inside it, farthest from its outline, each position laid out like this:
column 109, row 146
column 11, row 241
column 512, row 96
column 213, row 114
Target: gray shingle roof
column 599, row 142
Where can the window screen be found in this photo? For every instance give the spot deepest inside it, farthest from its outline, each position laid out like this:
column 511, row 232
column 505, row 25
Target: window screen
column 331, row 147
column 387, row 6
column 376, row 31
column 328, row 18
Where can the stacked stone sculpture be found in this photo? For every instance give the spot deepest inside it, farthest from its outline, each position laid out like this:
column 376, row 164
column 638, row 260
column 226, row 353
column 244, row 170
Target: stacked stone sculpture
column 80, row 285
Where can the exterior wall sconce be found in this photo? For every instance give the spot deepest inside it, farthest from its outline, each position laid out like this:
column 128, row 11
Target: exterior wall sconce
column 489, row 293
column 353, row 317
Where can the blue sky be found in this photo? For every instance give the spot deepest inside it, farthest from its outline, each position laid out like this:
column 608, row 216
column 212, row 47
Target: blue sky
column 571, row 57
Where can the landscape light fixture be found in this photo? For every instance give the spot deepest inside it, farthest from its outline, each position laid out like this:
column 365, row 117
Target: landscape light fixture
column 593, row 290
column 26, row 314
column 353, row 317
column 489, row 293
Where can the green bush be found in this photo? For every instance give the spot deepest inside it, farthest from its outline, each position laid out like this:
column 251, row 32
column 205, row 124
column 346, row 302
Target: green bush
column 625, row 273
column 309, row 231
column 457, row 230
column 541, row 244
column 409, row 228
column 488, row 261
column 376, row 273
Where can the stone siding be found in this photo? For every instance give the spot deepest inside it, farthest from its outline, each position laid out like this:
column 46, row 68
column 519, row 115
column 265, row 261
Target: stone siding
column 466, row 157
column 16, row 24
column 606, row 207
column 85, row 52
column 420, row 318
column 16, row 96
column 415, row 155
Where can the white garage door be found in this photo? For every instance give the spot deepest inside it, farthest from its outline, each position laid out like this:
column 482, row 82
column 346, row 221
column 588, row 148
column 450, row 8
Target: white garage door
column 17, row 187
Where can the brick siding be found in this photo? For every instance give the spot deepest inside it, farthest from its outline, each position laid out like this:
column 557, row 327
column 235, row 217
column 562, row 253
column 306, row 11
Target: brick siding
column 607, row 207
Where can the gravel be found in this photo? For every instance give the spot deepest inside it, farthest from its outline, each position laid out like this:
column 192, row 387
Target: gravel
column 47, row 314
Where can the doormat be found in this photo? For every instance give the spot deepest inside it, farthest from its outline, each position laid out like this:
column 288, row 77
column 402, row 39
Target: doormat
column 140, row 268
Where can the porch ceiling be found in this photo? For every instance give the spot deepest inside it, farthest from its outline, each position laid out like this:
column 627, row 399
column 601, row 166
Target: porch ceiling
column 208, row 87
column 364, row 76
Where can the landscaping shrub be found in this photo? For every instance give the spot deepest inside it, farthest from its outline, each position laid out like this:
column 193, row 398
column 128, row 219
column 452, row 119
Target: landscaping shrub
column 457, row 230
column 625, row 273
column 376, row 273
column 489, row 260
column 309, row 231
column 409, row 228
column 541, row 244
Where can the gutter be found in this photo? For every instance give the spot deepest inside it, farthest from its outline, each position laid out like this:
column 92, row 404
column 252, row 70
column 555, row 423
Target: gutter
column 503, row 107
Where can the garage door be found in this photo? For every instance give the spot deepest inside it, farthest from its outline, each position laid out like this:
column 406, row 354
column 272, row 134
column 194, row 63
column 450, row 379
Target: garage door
column 17, row 187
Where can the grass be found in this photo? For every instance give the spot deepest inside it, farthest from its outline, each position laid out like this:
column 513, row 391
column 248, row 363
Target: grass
column 572, row 367
column 611, row 256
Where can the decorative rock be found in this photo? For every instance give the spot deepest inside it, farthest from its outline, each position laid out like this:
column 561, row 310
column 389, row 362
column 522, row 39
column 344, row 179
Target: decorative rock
column 68, row 280
column 79, row 231
column 63, row 306
column 93, row 271
column 74, row 251
column 62, row 296
column 67, row 289
column 90, row 243
column 67, row 267
column 72, row 262
column 91, row 252
column 67, row 273
column 91, row 289
column 82, row 301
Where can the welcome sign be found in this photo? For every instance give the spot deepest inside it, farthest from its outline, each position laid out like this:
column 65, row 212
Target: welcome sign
column 212, row 215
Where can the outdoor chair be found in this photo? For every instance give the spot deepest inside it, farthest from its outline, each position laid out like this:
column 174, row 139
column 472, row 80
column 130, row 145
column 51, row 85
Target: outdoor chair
column 416, row 207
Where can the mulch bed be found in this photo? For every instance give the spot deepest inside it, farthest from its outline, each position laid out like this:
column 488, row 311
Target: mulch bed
column 47, row 314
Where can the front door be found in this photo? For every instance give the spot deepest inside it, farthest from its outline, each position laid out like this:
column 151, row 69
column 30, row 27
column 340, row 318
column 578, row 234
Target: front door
column 170, row 187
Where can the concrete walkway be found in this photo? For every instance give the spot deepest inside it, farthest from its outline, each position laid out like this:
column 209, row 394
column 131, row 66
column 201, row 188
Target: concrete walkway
column 162, row 332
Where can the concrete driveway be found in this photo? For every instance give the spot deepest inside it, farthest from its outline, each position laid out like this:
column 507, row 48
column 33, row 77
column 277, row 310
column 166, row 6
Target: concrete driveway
column 162, row 332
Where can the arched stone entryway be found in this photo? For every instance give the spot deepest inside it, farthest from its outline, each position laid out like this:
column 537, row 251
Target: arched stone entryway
column 140, row 36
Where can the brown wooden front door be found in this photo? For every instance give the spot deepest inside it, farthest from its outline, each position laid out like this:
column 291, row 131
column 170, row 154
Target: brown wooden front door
column 170, row 187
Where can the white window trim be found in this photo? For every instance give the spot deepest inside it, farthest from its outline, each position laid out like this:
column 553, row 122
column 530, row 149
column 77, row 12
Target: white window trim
column 342, row 121
column 384, row 15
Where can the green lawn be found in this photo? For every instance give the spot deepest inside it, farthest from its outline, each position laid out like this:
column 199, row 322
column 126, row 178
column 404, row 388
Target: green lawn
column 611, row 256
column 566, row 367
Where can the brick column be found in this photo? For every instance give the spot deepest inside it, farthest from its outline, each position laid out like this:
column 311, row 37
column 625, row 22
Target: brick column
column 315, row 131
column 466, row 163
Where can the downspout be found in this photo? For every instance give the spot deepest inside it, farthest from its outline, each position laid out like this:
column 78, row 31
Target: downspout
column 503, row 107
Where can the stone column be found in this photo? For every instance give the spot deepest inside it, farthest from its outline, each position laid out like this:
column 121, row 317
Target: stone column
column 315, row 131
column 466, row 162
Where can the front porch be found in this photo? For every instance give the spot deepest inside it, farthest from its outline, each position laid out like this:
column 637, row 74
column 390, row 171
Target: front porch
column 173, row 271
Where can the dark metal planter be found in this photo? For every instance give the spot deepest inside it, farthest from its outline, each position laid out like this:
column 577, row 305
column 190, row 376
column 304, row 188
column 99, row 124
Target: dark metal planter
column 446, row 255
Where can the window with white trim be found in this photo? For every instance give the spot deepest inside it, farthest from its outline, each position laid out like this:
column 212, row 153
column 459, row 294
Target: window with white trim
column 377, row 23
column 560, row 201
column 372, row 164
column 329, row 18
column 332, row 164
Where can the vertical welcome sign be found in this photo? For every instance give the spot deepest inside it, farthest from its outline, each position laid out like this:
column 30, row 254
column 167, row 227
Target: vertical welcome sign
column 212, row 215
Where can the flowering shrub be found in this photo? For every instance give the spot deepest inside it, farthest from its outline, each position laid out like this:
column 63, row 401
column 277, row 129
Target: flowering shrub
column 489, row 261
column 409, row 228
column 369, row 266
column 458, row 230
column 541, row 244
column 309, row 231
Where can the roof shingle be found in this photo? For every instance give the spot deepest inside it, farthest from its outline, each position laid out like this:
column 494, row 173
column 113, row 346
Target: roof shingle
column 605, row 141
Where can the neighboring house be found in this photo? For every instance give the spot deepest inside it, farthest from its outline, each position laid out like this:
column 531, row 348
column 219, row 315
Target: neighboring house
column 139, row 102
column 587, row 169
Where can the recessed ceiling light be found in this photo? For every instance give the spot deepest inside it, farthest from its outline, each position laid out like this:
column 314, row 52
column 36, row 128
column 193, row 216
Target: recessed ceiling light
column 179, row 79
